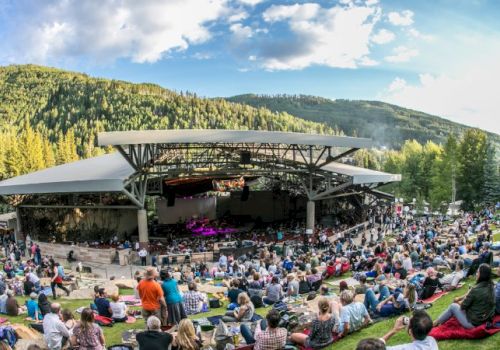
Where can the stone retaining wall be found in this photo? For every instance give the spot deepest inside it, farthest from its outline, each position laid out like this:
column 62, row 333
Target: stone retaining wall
column 83, row 254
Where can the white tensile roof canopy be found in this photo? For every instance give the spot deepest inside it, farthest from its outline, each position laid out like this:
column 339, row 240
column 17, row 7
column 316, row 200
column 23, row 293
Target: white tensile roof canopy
column 112, row 172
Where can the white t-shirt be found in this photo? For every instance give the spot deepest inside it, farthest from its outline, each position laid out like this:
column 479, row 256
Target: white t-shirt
column 118, row 309
column 429, row 343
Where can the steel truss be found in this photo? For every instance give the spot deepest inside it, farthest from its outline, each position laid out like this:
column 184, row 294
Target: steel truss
column 300, row 165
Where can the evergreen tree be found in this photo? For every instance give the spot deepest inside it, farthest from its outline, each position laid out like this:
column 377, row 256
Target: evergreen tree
column 491, row 188
column 472, row 162
column 443, row 172
column 48, row 154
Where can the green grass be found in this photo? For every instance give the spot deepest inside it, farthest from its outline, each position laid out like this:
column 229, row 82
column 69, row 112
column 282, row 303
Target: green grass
column 113, row 334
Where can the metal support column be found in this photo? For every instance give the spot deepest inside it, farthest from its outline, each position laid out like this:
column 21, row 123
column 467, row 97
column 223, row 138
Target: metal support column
column 311, row 206
column 142, row 226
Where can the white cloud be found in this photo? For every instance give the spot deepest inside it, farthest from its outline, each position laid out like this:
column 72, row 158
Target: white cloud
column 402, row 54
column 319, row 36
column 469, row 97
column 404, row 18
column 371, row 2
column 367, row 62
column 250, row 2
column 238, row 16
column 383, row 36
column 397, row 84
column 418, row 35
column 241, row 32
column 103, row 31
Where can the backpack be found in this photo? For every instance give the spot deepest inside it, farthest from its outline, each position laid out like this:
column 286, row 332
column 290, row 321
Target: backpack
column 256, row 301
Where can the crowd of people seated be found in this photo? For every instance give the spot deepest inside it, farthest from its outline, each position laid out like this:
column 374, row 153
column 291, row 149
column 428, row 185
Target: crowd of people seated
column 424, row 256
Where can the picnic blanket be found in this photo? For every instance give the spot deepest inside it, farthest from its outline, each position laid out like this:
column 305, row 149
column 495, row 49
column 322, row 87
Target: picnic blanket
column 434, row 297
column 438, row 295
column 452, row 329
column 204, row 288
column 130, row 300
column 351, row 282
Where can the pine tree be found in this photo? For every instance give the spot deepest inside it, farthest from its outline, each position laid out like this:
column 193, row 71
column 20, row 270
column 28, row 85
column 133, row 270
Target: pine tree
column 472, row 161
column 48, row 154
column 491, row 189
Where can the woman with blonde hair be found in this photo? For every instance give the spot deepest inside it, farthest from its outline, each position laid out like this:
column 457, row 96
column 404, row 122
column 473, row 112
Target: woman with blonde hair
column 118, row 308
column 321, row 333
column 243, row 313
column 186, row 338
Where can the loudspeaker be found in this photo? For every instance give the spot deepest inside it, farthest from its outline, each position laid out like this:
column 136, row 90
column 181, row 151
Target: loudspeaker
column 245, row 193
column 245, row 157
column 170, row 198
column 169, row 194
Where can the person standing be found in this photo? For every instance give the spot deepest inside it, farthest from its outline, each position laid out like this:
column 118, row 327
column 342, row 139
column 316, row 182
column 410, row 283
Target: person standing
column 175, row 309
column 151, row 295
column 143, row 253
column 56, row 280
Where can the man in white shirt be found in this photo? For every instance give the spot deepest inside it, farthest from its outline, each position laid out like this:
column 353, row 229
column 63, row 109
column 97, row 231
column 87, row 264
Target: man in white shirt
column 54, row 329
column 142, row 254
column 451, row 280
column 419, row 327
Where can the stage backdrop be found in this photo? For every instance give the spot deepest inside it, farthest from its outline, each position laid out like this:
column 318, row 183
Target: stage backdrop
column 185, row 209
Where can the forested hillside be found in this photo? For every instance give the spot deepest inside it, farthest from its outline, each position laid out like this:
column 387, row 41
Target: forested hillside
column 387, row 124
column 50, row 116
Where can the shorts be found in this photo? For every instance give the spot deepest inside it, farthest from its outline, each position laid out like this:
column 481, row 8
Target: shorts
column 147, row 313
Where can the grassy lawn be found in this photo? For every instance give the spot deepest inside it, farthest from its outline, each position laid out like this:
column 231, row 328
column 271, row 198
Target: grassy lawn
column 113, row 334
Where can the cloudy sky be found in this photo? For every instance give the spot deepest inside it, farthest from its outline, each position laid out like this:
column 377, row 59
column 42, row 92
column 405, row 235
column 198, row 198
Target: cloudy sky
column 437, row 56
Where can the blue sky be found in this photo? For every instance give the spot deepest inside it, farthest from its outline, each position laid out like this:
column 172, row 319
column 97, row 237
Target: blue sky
column 437, row 56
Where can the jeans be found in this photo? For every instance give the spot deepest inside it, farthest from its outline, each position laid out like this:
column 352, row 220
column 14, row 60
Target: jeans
column 268, row 301
column 455, row 310
column 247, row 333
column 371, row 301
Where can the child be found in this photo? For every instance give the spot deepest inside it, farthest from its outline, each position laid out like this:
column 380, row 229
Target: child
column 32, row 306
column 119, row 309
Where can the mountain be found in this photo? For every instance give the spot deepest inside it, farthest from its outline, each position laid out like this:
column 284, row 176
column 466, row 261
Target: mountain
column 388, row 125
column 55, row 114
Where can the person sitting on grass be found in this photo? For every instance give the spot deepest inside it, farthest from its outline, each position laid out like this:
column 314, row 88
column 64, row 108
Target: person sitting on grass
column 32, row 306
column 274, row 292
column 69, row 320
column 321, row 333
column 430, row 285
column 243, row 313
column 186, row 338
column 233, row 293
column 3, row 302
column 451, row 280
column 102, row 304
column 353, row 315
column 55, row 332
column 419, row 327
column 475, row 307
column 87, row 335
column 267, row 336
column 43, row 304
column 398, row 302
column 118, row 308
column 12, row 306
column 193, row 300
column 153, row 338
